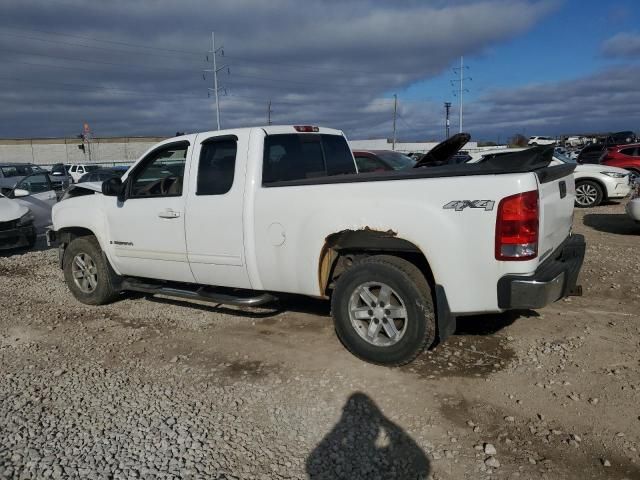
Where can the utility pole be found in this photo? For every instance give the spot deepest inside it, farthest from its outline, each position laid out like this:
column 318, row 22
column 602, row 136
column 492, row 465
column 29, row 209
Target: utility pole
column 269, row 113
column 214, row 52
column 447, row 108
column 395, row 114
column 460, row 71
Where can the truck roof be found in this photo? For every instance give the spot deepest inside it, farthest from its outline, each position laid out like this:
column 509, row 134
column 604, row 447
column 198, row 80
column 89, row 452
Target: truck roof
column 269, row 129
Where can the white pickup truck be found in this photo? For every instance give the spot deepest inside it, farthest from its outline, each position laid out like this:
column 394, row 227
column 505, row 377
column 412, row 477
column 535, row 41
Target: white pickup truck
column 237, row 216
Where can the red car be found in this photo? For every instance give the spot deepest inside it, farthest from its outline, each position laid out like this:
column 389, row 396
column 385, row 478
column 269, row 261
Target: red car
column 623, row 156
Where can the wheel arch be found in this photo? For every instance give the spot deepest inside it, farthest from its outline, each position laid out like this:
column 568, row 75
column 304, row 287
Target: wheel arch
column 341, row 248
column 600, row 183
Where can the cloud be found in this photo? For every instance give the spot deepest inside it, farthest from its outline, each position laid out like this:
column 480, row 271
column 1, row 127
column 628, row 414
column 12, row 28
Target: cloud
column 602, row 102
column 330, row 62
column 622, row 45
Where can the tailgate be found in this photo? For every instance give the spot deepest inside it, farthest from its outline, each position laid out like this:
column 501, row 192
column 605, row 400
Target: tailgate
column 557, row 195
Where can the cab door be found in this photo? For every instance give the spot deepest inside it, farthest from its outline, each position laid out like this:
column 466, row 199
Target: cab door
column 214, row 223
column 146, row 224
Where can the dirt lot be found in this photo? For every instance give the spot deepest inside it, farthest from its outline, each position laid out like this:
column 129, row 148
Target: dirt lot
column 159, row 388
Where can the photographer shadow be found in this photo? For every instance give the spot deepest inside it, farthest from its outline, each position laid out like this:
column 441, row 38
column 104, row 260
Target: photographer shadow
column 366, row 444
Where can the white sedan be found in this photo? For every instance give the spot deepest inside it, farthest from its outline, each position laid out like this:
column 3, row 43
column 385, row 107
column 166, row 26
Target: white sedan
column 594, row 183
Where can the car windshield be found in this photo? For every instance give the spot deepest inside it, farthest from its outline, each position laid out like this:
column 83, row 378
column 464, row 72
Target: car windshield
column 396, row 160
column 563, row 158
column 91, row 168
column 16, row 170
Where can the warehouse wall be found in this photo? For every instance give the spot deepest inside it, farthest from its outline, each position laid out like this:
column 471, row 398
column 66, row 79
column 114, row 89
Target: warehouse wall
column 47, row 151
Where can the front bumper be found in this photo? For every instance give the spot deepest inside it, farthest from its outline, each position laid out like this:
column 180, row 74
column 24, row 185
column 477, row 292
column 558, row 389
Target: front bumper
column 554, row 279
column 17, row 237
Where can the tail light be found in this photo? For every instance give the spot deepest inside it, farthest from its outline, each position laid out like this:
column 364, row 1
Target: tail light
column 306, row 128
column 517, row 227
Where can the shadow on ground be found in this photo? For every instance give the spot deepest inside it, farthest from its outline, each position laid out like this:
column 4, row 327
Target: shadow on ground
column 366, row 444
column 617, row 223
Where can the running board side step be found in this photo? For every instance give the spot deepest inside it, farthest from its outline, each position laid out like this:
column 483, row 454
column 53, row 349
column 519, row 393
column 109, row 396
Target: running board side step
column 199, row 293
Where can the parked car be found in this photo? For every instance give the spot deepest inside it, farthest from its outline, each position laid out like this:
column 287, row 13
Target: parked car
column 102, row 174
column 575, row 141
column 621, row 138
column 77, row 171
column 594, row 183
column 16, row 225
column 623, row 156
column 598, row 183
column 235, row 216
column 381, row 160
column 60, row 177
column 38, row 193
column 633, row 205
column 539, row 140
column 590, row 153
column 11, row 173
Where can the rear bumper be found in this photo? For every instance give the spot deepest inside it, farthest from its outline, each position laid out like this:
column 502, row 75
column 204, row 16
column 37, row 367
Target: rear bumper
column 554, row 279
column 17, row 237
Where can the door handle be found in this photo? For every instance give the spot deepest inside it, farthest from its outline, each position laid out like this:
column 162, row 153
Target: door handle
column 168, row 213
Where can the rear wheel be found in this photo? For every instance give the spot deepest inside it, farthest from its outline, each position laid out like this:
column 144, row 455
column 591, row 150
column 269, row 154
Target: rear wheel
column 383, row 311
column 87, row 272
column 588, row 194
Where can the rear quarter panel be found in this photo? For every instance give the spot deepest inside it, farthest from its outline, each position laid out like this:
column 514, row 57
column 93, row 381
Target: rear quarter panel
column 290, row 225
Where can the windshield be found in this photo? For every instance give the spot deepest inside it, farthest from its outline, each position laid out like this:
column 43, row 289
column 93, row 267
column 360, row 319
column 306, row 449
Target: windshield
column 91, row 168
column 563, row 158
column 396, row 160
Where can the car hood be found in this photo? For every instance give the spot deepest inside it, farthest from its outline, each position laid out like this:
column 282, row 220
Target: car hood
column 442, row 152
column 591, row 167
column 10, row 210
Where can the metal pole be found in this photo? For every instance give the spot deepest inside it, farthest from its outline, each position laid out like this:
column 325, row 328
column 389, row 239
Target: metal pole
column 461, row 88
column 395, row 113
column 269, row 113
column 215, row 77
column 447, row 107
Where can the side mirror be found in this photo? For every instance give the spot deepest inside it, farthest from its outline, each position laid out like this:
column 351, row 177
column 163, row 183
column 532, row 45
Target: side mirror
column 112, row 187
column 20, row 192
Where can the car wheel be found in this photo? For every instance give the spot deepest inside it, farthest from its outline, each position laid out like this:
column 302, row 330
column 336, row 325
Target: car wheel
column 88, row 273
column 383, row 310
column 588, row 194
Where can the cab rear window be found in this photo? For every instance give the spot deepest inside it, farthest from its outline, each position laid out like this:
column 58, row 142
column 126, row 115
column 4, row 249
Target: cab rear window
column 290, row 157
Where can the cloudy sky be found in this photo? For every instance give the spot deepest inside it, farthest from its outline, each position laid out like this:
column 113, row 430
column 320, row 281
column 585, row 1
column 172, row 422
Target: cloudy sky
column 538, row 67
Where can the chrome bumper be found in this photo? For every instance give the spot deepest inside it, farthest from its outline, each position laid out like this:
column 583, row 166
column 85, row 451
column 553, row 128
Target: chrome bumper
column 554, row 279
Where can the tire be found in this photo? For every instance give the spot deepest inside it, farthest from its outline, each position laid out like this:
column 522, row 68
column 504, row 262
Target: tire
column 98, row 284
column 367, row 335
column 588, row 194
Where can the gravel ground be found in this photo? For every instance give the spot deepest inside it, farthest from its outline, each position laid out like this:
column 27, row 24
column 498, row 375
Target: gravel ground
column 158, row 388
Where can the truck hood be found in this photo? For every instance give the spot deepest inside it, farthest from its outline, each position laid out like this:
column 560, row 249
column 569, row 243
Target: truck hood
column 441, row 153
column 10, row 210
column 590, row 167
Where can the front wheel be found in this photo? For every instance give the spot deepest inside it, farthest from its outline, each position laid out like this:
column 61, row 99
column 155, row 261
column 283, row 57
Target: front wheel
column 588, row 194
column 383, row 310
column 87, row 272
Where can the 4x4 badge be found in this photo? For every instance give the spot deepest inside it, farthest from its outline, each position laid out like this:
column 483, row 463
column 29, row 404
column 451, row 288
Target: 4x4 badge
column 459, row 205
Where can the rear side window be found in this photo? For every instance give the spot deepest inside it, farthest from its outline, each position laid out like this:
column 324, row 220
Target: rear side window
column 628, row 151
column 301, row 156
column 217, row 166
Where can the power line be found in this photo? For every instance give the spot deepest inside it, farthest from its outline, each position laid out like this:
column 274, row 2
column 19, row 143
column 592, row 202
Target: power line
column 48, row 40
column 149, row 47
